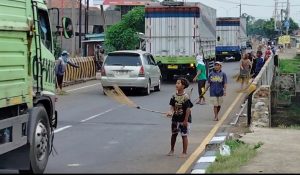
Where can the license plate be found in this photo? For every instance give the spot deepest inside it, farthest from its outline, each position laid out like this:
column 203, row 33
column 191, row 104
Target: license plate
column 172, row 66
column 224, row 52
column 121, row 73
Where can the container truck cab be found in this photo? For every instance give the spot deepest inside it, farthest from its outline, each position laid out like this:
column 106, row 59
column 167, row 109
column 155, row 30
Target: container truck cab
column 27, row 85
column 231, row 38
column 175, row 32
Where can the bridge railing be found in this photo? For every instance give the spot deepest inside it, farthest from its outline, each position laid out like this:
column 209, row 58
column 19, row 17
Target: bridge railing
column 264, row 78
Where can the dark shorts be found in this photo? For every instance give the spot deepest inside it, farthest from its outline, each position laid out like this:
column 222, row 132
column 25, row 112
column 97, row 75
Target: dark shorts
column 201, row 84
column 59, row 79
column 179, row 127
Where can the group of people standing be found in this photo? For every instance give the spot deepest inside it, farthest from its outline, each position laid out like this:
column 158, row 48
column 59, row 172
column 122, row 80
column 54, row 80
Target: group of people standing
column 216, row 81
column 180, row 103
column 250, row 64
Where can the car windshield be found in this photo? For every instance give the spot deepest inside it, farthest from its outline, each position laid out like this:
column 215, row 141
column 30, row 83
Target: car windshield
column 123, row 59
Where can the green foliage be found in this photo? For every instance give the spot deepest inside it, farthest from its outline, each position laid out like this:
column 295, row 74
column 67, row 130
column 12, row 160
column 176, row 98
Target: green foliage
column 289, row 65
column 119, row 37
column 265, row 28
column 122, row 35
column 241, row 153
column 135, row 19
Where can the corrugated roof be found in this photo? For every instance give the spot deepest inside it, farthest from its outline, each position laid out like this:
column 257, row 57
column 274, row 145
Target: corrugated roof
column 64, row 3
column 126, row 2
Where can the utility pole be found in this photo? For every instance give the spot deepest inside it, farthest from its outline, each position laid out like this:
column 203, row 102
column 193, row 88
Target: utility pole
column 80, row 7
column 287, row 16
column 87, row 17
column 240, row 8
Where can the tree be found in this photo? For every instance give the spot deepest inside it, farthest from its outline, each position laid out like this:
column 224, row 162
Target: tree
column 119, row 37
column 135, row 19
column 123, row 35
column 293, row 26
column 249, row 21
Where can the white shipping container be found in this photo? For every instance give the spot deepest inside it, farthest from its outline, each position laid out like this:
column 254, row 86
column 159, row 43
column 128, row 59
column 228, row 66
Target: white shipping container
column 179, row 32
column 232, row 34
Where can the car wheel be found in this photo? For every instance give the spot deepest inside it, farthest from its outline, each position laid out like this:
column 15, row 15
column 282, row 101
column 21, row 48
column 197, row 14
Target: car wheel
column 103, row 92
column 147, row 89
column 157, row 88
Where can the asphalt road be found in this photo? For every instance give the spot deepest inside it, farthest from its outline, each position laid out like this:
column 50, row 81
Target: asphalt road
column 96, row 134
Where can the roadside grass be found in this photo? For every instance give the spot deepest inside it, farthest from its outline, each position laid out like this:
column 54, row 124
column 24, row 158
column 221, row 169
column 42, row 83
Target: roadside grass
column 296, row 127
column 241, row 153
column 290, row 65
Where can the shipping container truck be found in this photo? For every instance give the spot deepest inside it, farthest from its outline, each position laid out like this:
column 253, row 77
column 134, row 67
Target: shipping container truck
column 27, row 85
column 175, row 32
column 231, row 38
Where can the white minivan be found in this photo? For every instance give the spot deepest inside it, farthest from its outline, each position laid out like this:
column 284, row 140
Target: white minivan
column 131, row 69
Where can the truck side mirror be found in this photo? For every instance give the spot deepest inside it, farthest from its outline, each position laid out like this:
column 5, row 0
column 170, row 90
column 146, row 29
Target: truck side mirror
column 218, row 38
column 67, row 27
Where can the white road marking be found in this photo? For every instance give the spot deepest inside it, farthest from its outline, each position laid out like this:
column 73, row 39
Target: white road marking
column 71, row 90
column 102, row 113
column 94, row 116
column 63, row 128
column 74, row 164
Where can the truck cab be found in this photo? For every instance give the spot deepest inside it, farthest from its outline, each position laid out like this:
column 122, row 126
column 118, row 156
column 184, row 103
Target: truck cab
column 27, row 85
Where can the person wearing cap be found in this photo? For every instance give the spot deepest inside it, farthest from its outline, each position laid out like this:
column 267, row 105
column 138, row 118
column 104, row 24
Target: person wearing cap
column 200, row 78
column 60, row 68
column 217, row 82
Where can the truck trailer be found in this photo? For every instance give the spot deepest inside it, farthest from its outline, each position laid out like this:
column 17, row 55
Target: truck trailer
column 175, row 32
column 231, row 38
column 27, row 85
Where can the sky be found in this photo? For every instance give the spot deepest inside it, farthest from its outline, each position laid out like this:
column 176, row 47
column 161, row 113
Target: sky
column 260, row 9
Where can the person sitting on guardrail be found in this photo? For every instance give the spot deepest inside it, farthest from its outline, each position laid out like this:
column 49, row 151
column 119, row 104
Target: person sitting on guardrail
column 259, row 63
column 60, row 68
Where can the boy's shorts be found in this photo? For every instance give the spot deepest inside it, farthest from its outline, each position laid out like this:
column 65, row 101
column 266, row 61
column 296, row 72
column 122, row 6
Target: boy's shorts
column 216, row 101
column 179, row 127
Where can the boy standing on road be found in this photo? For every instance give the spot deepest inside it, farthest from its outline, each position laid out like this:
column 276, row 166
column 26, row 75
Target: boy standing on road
column 181, row 115
column 200, row 78
column 217, row 81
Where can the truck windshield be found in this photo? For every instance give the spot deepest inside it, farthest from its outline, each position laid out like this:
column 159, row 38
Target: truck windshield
column 45, row 31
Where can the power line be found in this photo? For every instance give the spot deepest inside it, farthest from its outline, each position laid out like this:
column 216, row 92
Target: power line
column 253, row 5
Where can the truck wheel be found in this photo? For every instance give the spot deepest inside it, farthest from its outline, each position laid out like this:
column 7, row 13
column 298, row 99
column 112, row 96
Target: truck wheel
column 40, row 141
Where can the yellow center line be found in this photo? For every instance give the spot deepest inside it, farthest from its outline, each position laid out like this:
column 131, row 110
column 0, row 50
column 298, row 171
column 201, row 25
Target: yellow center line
column 184, row 168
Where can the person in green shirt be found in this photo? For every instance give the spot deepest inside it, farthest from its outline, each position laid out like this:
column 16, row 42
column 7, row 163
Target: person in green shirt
column 200, row 78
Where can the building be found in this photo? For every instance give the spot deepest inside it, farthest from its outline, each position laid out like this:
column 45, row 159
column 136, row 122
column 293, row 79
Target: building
column 96, row 23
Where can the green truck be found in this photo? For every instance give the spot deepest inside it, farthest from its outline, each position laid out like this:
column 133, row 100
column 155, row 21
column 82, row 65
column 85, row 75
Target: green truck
column 27, row 84
column 175, row 32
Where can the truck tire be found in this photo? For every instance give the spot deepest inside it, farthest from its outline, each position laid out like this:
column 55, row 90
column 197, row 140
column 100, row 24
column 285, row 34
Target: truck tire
column 40, row 140
column 237, row 57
